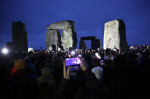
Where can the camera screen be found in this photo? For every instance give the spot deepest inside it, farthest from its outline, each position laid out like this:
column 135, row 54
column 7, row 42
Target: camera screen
column 72, row 61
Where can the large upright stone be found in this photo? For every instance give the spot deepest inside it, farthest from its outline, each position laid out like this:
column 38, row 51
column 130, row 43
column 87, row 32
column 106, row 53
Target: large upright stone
column 115, row 35
column 53, row 40
column 68, row 38
column 82, row 45
column 95, row 43
column 19, row 37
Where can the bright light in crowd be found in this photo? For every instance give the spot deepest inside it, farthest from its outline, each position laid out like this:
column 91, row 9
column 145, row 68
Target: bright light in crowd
column 72, row 52
column 97, row 55
column 30, row 49
column 5, row 51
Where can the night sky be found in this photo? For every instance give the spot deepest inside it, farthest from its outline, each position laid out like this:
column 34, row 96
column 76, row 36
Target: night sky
column 89, row 17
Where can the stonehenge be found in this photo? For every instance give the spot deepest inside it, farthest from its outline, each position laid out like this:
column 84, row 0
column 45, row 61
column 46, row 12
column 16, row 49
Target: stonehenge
column 95, row 43
column 53, row 40
column 68, row 37
column 115, row 35
column 19, row 37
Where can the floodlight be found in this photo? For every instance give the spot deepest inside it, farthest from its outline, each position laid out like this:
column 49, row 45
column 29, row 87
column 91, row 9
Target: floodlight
column 5, row 51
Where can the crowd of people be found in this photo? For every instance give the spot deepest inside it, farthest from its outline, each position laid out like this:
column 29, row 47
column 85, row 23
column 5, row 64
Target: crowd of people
column 103, row 74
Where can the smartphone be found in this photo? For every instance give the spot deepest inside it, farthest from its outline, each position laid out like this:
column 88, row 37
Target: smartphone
column 74, row 63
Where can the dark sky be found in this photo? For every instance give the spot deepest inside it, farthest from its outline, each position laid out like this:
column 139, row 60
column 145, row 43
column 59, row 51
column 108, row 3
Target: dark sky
column 89, row 17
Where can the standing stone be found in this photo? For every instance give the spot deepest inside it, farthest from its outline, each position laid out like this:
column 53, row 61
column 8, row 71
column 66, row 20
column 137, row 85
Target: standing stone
column 19, row 37
column 95, row 43
column 53, row 40
column 115, row 35
column 82, row 45
column 68, row 38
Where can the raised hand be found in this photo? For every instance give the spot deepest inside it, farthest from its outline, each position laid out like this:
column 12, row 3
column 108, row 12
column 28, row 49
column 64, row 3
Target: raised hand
column 66, row 73
column 84, row 64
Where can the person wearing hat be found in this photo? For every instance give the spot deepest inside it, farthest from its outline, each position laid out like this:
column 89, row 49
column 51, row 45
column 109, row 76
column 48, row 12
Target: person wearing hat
column 18, row 64
column 23, row 86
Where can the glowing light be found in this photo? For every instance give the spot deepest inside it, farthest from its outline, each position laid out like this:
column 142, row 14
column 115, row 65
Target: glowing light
column 73, row 52
column 30, row 49
column 5, row 51
column 97, row 55
column 69, row 55
column 79, row 55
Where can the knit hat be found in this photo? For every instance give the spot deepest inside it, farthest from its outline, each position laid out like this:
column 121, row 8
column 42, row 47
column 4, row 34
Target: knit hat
column 98, row 71
column 19, row 64
column 46, row 71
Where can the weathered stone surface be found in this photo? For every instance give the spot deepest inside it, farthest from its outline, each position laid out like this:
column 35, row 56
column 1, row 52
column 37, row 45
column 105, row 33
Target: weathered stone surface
column 95, row 43
column 115, row 35
column 19, row 37
column 53, row 40
column 68, row 38
column 82, row 45
column 61, row 25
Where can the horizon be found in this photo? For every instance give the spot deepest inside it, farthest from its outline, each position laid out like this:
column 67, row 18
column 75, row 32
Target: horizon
column 89, row 17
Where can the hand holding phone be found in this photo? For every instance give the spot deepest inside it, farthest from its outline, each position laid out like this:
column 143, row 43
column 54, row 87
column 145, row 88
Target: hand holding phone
column 74, row 63
column 84, row 64
column 66, row 72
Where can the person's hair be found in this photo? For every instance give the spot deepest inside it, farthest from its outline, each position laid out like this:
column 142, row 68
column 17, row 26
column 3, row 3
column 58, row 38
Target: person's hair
column 46, row 86
column 85, row 93
column 30, row 53
column 108, row 51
